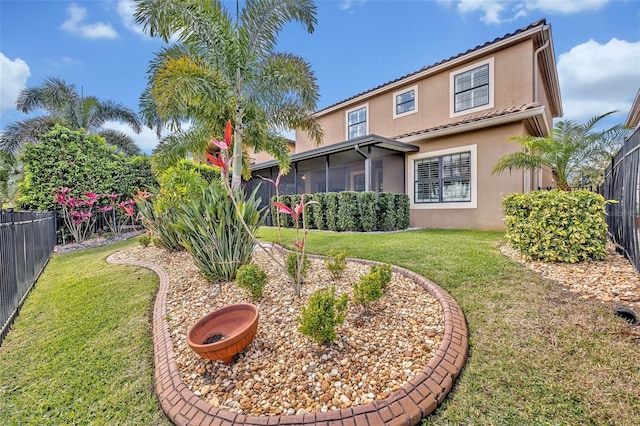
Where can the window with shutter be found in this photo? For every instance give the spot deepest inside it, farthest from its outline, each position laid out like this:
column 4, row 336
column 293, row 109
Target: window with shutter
column 443, row 179
column 472, row 88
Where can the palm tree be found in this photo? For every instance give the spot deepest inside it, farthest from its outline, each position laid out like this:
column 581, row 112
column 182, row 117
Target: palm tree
column 223, row 70
column 564, row 151
column 65, row 106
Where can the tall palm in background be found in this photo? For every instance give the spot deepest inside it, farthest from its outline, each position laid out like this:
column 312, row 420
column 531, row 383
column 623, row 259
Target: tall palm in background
column 223, row 70
column 64, row 105
column 566, row 151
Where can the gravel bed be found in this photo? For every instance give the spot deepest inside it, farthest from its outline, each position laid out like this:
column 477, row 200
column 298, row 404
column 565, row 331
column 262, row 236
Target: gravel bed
column 613, row 279
column 283, row 372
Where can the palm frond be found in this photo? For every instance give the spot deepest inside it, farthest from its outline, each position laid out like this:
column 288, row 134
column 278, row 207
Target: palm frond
column 178, row 146
column 54, row 95
column 123, row 142
column 519, row 161
column 17, row 134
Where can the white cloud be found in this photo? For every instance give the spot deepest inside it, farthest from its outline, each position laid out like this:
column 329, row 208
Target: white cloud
column 146, row 140
column 596, row 78
column 491, row 9
column 350, row 5
column 565, row 6
column 126, row 9
column 494, row 11
column 75, row 25
column 13, row 78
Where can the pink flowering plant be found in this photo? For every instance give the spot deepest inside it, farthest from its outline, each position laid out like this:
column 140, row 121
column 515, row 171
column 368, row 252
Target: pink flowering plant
column 77, row 212
column 222, row 162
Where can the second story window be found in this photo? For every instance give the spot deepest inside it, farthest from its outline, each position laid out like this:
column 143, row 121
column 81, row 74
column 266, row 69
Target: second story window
column 472, row 88
column 405, row 102
column 357, row 122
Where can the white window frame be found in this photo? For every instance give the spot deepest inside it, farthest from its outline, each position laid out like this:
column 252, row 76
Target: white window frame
column 352, row 179
column 452, row 88
column 394, row 101
column 346, row 119
column 473, row 204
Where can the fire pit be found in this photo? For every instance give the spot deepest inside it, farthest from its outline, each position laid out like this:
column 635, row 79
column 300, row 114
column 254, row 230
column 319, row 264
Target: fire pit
column 221, row 334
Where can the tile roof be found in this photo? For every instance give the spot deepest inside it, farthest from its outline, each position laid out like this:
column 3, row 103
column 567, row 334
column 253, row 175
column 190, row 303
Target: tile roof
column 474, row 118
column 539, row 23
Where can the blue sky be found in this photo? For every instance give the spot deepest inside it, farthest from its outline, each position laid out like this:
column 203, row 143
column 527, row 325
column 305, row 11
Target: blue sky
column 357, row 45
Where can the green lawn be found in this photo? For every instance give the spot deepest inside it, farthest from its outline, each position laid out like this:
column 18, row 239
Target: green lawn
column 539, row 354
column 80, row 351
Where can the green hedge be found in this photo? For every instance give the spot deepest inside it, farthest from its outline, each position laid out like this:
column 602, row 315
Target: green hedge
column 351, row 211
column 556, row 226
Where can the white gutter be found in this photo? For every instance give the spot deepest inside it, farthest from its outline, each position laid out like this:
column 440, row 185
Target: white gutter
column 475, row 125
column 535, row 69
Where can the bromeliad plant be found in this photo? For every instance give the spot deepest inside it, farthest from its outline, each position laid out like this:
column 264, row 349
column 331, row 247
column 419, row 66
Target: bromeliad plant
column 76, row 213
column 221, row 161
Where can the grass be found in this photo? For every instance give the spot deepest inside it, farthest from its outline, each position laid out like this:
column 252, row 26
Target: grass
column 80, row 351
column 538, row 354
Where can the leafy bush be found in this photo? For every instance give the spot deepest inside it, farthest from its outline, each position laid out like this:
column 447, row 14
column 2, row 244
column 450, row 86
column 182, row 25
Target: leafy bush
column 557, row 226
column 145, row 240
column 308, row 211
column 212, row 231
column 367, row 210
column 386, row 212
column 67, row 158
column 336, row 262
column 347, row 211
column 322, row 314
column 319, row 210
column 253, row 278
column 367, row 290
column 402, row 207
column 293, row 263
column 332, row 211
column 383, row 273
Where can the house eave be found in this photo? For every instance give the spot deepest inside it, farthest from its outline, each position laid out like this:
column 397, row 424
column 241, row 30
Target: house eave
column 633, row 119
column 535, row 117
column 374, row 140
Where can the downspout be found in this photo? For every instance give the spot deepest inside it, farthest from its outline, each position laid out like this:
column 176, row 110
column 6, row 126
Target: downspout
column 527, row 176
column 367, row 168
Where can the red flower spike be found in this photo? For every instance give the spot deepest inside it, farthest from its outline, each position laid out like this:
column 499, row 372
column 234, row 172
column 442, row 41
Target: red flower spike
column 217, row 161
column 282, row 208
column 228, row 133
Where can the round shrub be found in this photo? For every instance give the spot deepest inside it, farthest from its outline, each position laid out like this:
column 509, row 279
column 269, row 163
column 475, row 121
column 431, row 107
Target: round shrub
column 253, row 278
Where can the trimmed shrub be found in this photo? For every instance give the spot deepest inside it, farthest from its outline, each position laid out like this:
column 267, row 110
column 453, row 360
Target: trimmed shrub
column 556, row 226
column 211, row 230
column 308, row 211
column 386, row 211
column 292, row 265
column 402, row 207
column 367, row 210
column 145, row 240
column 383, row 273
column 322, row 314
column 367, row 290
column 332, row 211
column 336, row 262
column 319, row 210
column 253, row 278
column 347, row 211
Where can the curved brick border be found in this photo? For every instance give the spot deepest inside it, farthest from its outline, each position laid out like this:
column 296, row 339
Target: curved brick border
column 414, row 400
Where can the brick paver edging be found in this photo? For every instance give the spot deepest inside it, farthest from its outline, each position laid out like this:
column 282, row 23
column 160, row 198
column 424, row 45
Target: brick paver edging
column 407, row 406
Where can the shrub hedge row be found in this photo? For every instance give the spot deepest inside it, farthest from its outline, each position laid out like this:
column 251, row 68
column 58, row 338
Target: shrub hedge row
column 557, row 226
column 349, row 211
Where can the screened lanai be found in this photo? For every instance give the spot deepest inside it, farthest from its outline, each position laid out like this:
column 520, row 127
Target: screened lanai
column 367, row 163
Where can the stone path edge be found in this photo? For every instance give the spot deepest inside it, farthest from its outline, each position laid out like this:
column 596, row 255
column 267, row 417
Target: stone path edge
column 406, row 407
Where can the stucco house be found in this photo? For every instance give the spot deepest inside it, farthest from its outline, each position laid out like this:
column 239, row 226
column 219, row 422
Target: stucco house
column 436, row 134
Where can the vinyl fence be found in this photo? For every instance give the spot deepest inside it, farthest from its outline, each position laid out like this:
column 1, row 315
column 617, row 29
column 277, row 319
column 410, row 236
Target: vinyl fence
column 622, row 183
column 27, row 240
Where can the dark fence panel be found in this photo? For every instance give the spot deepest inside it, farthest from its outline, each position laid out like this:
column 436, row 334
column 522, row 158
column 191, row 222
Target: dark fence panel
column 622, row 183
column 27, row 240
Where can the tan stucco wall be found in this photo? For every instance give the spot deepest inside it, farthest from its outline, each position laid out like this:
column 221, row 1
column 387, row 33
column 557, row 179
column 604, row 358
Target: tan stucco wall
column 513, row 86
column 491, row 145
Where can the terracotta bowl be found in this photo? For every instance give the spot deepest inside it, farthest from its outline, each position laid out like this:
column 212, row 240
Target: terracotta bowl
column 237, row 324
